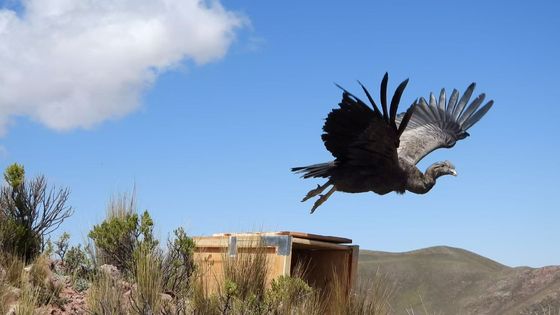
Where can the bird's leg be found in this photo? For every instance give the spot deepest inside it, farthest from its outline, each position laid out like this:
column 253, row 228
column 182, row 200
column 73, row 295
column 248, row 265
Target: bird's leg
column 322, row 199
column 314, row 192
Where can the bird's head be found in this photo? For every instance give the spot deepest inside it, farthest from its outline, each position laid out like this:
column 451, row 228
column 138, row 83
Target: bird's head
column 444, row 168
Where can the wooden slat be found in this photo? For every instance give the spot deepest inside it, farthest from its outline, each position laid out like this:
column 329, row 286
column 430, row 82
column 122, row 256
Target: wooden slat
column 302, row 243
column 211, row 241
column 353, row 266
column 316, row 237
column 309, row 236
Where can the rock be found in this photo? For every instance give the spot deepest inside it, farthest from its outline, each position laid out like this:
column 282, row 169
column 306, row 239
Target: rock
column 12, row 310
column 11, row 295
column 58, row 267
column 111, row 271
column 166, row 298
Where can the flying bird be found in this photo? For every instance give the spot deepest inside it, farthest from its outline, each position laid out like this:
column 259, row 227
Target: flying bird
column 377, row 150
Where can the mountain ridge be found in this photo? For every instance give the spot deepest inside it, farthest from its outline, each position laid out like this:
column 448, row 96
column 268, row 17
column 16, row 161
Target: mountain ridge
column 450, row 280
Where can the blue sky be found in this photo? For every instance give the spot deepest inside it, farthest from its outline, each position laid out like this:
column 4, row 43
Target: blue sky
column 209, row 143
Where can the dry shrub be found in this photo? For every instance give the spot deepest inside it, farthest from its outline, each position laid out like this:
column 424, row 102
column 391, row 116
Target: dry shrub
column 28, row 301
column 39, row 272
column 13, row 268
column 313, row 304
column 372, row 296
column 41, row 278
column 200, row 302
column 105, row 296
column 3, row 296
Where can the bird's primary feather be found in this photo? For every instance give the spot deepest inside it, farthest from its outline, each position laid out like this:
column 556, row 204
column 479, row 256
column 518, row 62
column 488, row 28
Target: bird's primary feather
column 439, row 125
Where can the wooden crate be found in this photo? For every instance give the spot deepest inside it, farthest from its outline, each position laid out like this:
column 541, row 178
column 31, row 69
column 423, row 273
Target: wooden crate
column 324, row 258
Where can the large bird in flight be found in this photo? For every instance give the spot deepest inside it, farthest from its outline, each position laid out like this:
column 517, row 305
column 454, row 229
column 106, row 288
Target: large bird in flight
column 377, row 150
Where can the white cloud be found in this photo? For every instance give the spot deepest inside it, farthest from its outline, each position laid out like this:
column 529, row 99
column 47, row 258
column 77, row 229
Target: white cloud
column 69, row 64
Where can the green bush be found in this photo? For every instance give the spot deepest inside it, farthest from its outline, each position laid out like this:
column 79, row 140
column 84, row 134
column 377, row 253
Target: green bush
column 29, row 211
column 178, row 265
column 75, row 258
column 286, row 293
column 14, row 175
column 61, row 246
column 17, row 239
column 77, row 263
column 117, row 238
column 80, row 284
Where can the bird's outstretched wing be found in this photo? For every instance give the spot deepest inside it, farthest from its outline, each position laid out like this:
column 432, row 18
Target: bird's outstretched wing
column 438, row 124
column 366, row 136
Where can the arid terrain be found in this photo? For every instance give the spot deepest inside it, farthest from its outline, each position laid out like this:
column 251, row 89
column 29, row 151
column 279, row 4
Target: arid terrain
column 436, row 280
column 446, row 280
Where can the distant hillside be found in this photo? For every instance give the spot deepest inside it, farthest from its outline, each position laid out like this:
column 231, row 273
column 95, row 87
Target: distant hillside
column 455, row 281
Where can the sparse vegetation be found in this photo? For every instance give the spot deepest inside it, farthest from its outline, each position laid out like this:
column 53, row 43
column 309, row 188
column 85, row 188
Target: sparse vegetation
column 156, row 280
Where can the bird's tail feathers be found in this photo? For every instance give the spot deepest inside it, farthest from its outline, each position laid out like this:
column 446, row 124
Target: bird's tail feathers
column 316, row 170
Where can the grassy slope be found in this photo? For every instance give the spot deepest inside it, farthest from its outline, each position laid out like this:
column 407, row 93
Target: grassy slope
column 455, row 281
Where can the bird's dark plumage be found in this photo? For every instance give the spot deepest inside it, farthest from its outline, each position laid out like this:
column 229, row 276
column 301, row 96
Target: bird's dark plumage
column 376, row 150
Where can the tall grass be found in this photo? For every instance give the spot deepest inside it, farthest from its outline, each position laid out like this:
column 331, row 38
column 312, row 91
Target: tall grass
column 245, row 280
column 245, row 290
column 242, row 284
column 371, row 296
column 3, row 296
column 248, row 271
column 425, row 311
column 40, row 277
column 121, row 205
column 106, row 296
column 28, row 301
column 146, row 298
column 13, row 267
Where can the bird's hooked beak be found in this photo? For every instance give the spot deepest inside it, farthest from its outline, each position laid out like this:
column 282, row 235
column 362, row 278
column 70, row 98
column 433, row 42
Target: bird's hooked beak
column 454, row 172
